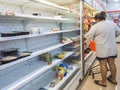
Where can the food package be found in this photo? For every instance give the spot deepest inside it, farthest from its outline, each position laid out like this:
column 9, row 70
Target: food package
column 55, row 29
column 59, row 56
column 10, row 51
column 8, row 59
column 36, row 14
column 24, row 54
column 59, row 73
column 14, row 33
column 46, row 57
column 35, row 30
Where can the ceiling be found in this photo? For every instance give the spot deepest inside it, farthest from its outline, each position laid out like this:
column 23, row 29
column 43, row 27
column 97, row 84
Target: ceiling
column 63, row 2
column 113, row 1
column 74, row 4
column 112, row 4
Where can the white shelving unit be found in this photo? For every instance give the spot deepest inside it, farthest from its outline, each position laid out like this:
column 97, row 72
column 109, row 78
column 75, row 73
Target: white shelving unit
column 32, row 73
column 22, row 74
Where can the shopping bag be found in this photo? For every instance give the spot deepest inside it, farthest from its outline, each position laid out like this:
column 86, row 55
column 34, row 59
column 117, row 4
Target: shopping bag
column 92, row 45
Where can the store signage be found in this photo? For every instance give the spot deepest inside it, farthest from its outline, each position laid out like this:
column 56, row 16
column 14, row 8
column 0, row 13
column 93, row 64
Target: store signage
column 115, row 11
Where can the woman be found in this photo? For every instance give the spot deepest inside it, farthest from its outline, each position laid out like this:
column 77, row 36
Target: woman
column 103, row 33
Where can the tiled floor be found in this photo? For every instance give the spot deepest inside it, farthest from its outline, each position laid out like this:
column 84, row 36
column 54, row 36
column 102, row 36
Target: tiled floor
column 89, row 82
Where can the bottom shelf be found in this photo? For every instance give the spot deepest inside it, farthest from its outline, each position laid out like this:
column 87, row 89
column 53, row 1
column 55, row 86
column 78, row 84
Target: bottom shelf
column 59, row 84
column 43, row 81
column 75, row 81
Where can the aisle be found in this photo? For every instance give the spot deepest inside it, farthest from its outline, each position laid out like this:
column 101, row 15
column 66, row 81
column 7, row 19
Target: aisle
column 89, row 82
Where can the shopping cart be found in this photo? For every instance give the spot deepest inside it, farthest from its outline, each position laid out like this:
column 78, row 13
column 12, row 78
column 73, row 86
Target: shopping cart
column 96, row 70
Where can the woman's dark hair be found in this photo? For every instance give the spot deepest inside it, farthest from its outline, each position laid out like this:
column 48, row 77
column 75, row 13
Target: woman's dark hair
column 100, row 16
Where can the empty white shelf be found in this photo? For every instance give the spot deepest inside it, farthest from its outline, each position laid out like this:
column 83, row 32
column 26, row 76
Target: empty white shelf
column 35, row 35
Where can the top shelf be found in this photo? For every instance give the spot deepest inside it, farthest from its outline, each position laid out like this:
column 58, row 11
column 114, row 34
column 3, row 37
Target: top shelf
column 41, row 4
column 27, row 16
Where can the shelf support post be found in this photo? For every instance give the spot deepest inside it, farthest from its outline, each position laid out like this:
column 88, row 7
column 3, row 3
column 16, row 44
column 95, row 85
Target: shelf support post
column 82, row 36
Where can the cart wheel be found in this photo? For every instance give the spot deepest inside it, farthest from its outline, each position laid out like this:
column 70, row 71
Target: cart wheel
column 93, row 76
column 90, row 72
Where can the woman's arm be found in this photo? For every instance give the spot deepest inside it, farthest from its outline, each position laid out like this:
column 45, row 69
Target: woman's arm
column 91, row 34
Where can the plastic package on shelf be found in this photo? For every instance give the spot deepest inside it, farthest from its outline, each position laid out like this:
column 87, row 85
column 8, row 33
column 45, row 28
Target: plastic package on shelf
column 72, row 47
column 62, row 73
column 14, row 33
column 46, row 57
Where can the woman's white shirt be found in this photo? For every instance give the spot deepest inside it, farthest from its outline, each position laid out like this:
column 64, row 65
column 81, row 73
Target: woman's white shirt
column 103, row 33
